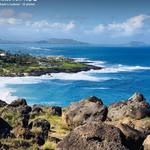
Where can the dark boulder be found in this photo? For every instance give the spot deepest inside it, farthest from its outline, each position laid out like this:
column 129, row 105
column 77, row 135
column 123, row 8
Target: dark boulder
column 24, row 114
column 27, row 134
column 43, row 124
column 39, row 139
column 55, row 110
column 25, row 120
column 133, row 137
column 24, row 110
column 87, row 110
column 37, row 136
column 18, row 103
column 2, row 103
column 135, row 107
column 5, row 129
column 37, row 109
column 93, row 136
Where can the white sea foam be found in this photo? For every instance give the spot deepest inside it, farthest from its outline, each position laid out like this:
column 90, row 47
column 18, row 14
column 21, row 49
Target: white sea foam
column 120, row 68
column 111, row 68
column 84, row 76
column 39, row 48
column 91, row 62
column 6, row 93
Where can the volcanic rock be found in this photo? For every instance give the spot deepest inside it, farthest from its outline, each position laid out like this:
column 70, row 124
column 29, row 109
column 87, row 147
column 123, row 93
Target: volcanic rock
column 135, row 107
column 87, row 110
column 18, row 103
column 5, row 129
column 93, row 136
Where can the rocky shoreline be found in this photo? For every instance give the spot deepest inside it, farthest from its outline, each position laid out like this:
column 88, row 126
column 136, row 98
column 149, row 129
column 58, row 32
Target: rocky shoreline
column 20, row 65
column 84, row 125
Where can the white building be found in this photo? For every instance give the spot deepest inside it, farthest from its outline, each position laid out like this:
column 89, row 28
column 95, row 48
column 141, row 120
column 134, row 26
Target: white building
column 2, row 54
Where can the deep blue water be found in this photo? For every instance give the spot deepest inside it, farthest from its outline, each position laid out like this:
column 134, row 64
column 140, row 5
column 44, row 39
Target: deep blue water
column 127, row 70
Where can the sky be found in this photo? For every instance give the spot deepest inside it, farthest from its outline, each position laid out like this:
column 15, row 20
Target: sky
column 94, row 21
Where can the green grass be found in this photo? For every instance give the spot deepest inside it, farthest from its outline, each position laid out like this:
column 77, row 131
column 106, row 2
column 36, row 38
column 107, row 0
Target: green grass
column 18, row 64
column 49, row 146
column 58, row 129
column 11, row 116
column 71, row 65
column 14, row 143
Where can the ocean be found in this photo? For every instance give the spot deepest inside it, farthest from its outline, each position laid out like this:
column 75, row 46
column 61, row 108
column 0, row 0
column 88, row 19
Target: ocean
column 126, row 70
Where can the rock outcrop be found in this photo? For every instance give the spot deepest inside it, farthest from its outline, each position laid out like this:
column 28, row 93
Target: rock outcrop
column 55, row 110
column 89, row 125
column 142, row 125
column 43, row 124
column 2, row 103
column 18, row 103
column 5, row 129
column 36, row 109
column 93, row 136
column 135, row 107
column 25, row 116
column 87, row 110
column 133, row 138
column 44, row 127
column 146, row 143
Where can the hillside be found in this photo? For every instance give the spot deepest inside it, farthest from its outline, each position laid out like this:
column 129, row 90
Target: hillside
column 50, row 41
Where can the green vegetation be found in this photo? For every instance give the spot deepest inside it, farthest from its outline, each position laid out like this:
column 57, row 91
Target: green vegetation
column 58, row 129
column 49, row 146
column 27, row 65
column 13, row 116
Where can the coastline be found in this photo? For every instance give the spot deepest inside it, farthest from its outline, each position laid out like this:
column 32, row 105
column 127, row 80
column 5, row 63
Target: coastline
column 122, row 120
column 22, row 65
column 53, row 127
column 74, row 75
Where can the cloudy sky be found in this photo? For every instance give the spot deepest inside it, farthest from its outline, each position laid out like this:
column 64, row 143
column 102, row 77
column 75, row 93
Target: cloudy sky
column 94, row 21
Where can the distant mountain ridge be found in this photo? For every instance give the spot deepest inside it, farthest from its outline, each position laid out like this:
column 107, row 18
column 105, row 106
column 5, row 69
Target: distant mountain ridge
column 50, row 41
column 136, row 44
column 61, row 41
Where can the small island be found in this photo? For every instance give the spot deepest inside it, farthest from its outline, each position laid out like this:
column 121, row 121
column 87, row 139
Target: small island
column 26, row 65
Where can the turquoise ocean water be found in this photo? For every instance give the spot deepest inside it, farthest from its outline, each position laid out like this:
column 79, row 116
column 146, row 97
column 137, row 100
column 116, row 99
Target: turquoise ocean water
column 126, row 70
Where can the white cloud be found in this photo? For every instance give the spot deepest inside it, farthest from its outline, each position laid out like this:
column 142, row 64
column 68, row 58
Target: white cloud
column 130, row 27
column 10, row 21
column 71, row 25
column 44, row 24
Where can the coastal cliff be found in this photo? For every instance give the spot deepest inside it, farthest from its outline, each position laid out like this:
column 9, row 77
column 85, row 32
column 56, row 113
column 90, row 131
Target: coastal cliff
column 87, row 124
